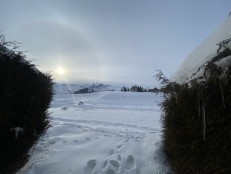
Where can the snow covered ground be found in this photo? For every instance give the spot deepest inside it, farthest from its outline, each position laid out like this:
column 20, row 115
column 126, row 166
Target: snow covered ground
column 101, row 133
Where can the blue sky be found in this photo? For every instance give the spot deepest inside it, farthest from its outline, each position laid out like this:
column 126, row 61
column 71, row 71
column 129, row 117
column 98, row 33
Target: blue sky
column 111, row 41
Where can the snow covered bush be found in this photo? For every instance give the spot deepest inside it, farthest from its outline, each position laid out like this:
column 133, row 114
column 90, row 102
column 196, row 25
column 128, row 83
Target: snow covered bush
column 25, row 95
column 197, row 108
column 197, row 119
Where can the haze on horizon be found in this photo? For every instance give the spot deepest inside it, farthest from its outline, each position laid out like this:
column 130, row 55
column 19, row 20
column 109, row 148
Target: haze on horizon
column 110, row 41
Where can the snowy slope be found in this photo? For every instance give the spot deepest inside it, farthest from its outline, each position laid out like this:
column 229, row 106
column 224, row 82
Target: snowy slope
column 205, row 52
column 109, row 133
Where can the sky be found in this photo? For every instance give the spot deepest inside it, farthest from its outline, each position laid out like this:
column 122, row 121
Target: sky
column 110, row 41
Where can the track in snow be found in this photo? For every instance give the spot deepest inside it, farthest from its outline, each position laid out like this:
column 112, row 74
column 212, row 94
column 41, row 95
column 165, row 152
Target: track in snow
column 111, row 133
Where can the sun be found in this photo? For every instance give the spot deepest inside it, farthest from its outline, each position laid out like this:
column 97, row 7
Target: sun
column 60, row 70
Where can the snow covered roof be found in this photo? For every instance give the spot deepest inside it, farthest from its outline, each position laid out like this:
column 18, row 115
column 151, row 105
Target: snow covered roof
column 210, row 48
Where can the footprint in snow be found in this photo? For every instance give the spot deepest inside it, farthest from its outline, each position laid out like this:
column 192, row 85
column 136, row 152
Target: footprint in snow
column 120, row 166
column 90, row 166
column 105, row 164
column 110, row 171
column 115, row 164
column 130, row 162
column 119, row 157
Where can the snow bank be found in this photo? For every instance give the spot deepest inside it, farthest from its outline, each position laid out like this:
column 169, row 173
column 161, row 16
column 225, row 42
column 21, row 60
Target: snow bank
column 202, row 54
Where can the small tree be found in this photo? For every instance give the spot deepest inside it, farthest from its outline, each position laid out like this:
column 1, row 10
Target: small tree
column 197, row 120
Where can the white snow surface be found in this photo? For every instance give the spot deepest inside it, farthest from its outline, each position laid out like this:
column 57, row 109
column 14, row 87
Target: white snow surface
column 203, row 53
column 109, row 133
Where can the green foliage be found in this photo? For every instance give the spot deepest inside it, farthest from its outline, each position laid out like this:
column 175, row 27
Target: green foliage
column 25, row 95
column 197, row 122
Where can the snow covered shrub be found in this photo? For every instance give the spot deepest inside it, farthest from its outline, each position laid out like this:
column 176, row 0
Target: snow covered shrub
column 197, row 121
column 25, row 95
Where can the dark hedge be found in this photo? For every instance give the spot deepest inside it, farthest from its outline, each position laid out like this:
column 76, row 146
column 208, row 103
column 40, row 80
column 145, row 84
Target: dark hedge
column 25, row 95
column 197, row 121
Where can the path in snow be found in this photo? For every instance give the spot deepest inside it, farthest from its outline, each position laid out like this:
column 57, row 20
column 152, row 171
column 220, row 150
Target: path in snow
column 110, row 133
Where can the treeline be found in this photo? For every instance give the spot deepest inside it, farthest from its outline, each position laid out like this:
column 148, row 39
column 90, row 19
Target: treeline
column 136, row 88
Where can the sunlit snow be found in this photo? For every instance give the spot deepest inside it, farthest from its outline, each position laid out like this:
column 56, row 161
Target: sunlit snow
column 110, row 132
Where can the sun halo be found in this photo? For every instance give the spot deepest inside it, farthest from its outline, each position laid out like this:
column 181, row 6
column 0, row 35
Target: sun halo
column 60, row 70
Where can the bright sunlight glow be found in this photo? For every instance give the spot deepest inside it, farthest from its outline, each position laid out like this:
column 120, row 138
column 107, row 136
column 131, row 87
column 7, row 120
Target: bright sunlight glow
column 60, row 71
